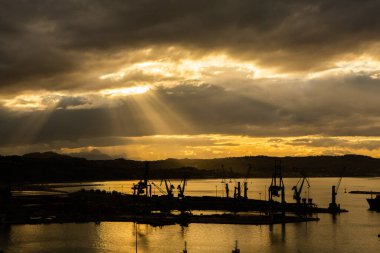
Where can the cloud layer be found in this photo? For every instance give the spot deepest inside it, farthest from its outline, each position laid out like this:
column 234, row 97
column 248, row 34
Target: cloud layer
column 76, row 74
column 47, row 41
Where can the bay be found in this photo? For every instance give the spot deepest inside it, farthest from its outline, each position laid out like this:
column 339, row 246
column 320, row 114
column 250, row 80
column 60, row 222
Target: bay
column 355, row 231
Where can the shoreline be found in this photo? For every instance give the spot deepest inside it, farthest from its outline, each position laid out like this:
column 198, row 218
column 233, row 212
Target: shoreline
column 165, row 220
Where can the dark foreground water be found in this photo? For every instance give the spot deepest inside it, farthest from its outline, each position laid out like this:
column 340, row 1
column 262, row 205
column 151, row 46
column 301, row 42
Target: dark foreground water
column 355, row 231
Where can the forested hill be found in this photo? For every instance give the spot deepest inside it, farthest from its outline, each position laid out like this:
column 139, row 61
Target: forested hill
column 50, row 166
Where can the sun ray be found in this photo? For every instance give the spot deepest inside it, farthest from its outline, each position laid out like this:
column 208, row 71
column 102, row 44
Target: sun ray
column 28, row 132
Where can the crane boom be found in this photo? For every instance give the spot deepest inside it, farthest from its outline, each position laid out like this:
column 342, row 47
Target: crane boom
column 159, row 188
column 338, row 184
column 340, row 180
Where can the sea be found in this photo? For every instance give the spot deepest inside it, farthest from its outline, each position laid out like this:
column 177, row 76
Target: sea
column 352, row 232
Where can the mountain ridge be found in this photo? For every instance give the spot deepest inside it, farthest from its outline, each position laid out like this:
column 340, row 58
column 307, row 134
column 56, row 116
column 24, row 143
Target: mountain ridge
column 50, row 166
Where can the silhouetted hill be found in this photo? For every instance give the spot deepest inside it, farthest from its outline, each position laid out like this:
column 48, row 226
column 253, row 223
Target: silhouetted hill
column 46, row 155
column 92, row 155
column 50, row 166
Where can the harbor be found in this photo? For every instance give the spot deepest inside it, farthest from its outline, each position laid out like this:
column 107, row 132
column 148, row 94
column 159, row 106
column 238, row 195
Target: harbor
column 119, row 236
column 144, row 207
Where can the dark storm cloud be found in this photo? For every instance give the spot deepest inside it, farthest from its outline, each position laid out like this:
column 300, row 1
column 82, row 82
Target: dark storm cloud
column 66, row 101
column 46, row 39
column 202, row 109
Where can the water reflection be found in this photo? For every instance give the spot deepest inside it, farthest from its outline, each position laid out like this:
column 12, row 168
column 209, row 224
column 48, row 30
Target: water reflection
column 5, row 232
column 355, row 231
column 277, row 234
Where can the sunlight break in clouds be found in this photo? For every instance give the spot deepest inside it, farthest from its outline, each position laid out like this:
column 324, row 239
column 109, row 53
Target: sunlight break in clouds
column 126, row 91
column 360, row 66
column 192, row 69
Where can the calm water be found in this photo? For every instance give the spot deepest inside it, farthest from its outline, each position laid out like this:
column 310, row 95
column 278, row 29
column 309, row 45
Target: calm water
column 355, row 231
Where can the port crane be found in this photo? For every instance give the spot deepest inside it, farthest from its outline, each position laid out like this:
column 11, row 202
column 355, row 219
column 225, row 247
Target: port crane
column 334, row 192
column 227, row 189
column 159, row 188
column 225, row 182
column 237, row 190
column 297, row 189
column 169, row 188
column 181, row 188
column 277, row 187
column 142, row 187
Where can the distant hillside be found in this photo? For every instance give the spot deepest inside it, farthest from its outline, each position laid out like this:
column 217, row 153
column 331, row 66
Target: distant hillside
column 50, row 166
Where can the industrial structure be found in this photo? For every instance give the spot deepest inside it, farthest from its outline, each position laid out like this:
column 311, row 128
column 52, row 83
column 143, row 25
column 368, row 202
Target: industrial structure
column 144, row 207
column 333, row 206
column 277, row 187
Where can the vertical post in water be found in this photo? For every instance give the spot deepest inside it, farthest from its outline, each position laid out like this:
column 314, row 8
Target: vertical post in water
column 265, row 192
column 136, row 234
column 185, row 250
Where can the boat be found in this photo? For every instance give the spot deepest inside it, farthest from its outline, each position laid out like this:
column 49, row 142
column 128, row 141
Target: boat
column 374, row 203
column 236, row 249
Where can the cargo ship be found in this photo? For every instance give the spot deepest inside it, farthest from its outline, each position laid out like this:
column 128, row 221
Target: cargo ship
column 374, row 203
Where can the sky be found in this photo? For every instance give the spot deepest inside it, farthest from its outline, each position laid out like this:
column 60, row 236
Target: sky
column 156, row 79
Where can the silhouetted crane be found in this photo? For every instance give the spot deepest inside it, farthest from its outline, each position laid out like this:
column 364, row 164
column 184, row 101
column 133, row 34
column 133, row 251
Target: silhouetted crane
column 181, row 188
column 169, row 188
column 297, row 189
column 277, row 187
column 227, row 190
column 142, row 187
column 333, row 206
column 237, row 191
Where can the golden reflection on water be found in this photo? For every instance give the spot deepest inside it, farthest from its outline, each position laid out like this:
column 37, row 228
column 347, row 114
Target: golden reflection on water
column 355, row 231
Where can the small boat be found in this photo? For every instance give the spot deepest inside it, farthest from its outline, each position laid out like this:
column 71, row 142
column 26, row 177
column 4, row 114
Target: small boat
column 236, row 250
column 374, row 203
column 185, row 250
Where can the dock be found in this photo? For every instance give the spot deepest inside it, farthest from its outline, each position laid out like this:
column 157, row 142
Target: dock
column 365, row 192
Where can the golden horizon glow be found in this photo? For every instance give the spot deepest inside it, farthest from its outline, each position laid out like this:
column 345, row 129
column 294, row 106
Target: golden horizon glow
column 209, row 146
